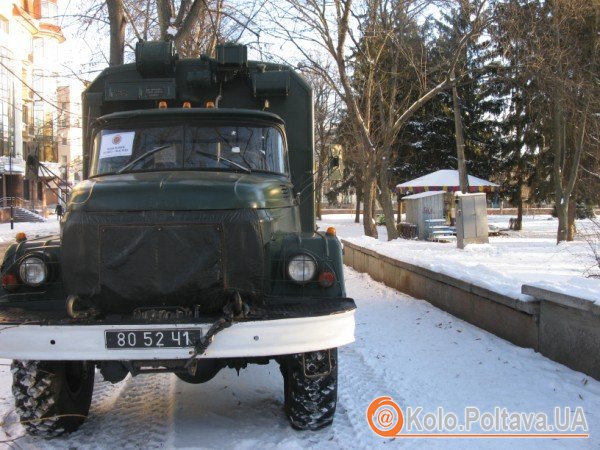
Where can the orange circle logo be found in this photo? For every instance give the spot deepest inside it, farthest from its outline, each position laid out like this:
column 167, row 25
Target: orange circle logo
column 117, row 139
column 385, row 417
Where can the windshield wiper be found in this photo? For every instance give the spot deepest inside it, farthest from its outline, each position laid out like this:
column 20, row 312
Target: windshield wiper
column 221, row 158
column 141, row 158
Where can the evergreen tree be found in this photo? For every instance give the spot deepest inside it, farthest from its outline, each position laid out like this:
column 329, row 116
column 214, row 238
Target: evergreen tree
column 428, row 142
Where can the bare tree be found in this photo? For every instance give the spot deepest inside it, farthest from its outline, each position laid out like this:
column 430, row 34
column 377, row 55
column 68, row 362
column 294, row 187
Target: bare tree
column 190, row 22
column 196, row 26
column 117, row 22
column 374, row 95
column 561, row 51
column 326, row 117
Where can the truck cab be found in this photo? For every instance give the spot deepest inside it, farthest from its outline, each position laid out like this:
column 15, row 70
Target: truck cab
column 190, row 247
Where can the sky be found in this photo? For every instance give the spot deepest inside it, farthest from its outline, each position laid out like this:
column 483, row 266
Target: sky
column 82, row 55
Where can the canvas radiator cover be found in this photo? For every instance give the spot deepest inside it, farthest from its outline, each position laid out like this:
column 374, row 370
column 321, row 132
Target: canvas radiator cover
column 122, row 261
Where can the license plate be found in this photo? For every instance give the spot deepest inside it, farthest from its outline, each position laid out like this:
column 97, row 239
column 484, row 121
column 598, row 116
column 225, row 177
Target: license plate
column 175, row 338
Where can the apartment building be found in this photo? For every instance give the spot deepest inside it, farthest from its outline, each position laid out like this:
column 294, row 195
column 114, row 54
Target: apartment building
column 29, row 39
column 70, row 150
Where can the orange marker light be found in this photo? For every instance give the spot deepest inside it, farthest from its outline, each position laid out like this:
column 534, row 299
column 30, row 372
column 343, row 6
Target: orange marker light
column 162, row 105
column 187, row 105
column 210, row 104
column 20, row 237
column 331, row 231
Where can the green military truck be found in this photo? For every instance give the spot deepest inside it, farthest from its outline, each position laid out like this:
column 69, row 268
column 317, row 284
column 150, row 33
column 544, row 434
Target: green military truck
column 191, row 245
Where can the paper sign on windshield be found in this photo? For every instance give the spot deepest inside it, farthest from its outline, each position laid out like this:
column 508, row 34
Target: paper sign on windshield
column 117, row 144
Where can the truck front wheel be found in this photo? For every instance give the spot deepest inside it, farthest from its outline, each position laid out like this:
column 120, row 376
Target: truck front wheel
column 310, row 385
column 52, row 397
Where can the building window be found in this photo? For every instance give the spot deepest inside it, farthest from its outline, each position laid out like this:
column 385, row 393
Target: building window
column 64, row 158
column 7, row 109
column 63, row 141
column 49, row 10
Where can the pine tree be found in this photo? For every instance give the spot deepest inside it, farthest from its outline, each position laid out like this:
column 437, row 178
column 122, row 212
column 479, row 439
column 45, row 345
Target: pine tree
column 428, row 143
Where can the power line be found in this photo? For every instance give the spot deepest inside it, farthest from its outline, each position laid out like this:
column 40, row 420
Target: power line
column 54, row 105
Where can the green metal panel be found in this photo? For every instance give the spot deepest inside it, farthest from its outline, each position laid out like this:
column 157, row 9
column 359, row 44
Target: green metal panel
column 140, row 90
column 203, row 79
column 270, row 84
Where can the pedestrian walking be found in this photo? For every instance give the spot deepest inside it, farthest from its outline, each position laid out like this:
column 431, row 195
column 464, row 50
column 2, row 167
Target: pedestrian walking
column 59, row 211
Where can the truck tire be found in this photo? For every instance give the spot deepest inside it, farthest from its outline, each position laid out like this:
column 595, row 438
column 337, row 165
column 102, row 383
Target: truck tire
column 310, row 388
column 52, row 397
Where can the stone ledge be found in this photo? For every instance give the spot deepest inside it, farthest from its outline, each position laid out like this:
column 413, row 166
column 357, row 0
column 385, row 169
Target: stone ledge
column 529, row 307
column 561, row 299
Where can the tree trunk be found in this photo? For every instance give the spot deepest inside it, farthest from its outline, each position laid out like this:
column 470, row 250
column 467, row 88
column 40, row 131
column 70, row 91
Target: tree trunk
column 563, row 219
column 358, row 200
column 374, row 204
column 519, row 225
column 318, row 191
column 386, row 202
column 210, row 51
column 463, row 177
column 164, row 13
column 571, row 213
column 318, row 206
column 369, row 187
column 117, row 21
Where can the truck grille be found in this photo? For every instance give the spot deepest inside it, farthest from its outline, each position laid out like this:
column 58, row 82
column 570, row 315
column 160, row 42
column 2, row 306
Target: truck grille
column 160, row 262
column 124, row 261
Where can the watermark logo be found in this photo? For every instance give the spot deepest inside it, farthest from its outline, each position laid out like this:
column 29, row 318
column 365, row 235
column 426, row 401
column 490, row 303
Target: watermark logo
column 387, row 419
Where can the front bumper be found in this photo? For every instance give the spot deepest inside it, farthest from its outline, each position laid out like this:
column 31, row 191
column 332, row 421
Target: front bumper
column 251, row 338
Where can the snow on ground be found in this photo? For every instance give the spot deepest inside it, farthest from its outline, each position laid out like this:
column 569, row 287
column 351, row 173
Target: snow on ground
column 503, row 265
column 405, row 348
column 32, row 229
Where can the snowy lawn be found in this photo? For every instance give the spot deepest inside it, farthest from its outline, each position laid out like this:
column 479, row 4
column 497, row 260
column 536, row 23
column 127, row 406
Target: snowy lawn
column 503, row 265
column 405, row 348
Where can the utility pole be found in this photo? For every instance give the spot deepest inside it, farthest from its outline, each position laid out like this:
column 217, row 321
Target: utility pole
column 12, row 203
column 463, row 178
column 67, row 179
column 10, row 157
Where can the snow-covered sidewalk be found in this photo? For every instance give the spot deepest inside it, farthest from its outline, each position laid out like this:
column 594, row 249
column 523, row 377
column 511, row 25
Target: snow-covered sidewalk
column 503, row 265
column 32, row 229
column 405, row 348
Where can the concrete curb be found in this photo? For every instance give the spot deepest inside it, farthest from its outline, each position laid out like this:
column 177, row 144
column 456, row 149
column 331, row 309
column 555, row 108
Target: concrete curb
column 564, row 328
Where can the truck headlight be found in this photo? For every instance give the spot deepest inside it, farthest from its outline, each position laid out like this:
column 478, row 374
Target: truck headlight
column 302, row 268
column 33, row 271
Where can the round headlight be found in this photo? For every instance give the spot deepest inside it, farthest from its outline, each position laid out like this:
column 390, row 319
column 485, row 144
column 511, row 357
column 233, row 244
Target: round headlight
column 33, row 271
column 302, row 268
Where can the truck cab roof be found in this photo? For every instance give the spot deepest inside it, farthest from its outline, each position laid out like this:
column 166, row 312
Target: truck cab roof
column 196, row 113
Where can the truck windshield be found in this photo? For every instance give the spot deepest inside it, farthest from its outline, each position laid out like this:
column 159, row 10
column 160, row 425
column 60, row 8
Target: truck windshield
column 188, row 147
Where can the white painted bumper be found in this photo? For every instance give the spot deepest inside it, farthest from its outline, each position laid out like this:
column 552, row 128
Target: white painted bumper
column 246, row 339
